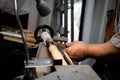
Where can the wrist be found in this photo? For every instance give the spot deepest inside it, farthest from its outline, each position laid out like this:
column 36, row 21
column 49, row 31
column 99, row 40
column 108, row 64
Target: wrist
column 87, row 51
column 94, row 50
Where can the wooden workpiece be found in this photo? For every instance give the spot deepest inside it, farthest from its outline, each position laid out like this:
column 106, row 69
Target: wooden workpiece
column 57, row 55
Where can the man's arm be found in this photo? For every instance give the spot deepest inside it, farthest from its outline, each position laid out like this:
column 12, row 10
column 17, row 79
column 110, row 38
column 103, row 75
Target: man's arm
column 105, row 52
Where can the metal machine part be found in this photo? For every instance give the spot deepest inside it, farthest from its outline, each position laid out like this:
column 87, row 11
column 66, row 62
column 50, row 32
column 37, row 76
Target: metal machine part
column 45, row 37
column 39, row 30
column 38, row 63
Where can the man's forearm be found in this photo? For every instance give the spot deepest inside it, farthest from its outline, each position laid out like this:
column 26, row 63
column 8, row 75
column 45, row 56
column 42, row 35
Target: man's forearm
column 105, row 52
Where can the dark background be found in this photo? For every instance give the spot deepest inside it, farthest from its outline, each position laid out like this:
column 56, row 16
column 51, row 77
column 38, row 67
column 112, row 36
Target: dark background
column 12, row 54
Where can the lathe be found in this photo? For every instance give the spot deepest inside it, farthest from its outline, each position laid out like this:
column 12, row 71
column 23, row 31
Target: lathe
column 53, row 63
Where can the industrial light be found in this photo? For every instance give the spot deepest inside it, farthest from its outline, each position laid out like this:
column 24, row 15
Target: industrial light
column 42, row 8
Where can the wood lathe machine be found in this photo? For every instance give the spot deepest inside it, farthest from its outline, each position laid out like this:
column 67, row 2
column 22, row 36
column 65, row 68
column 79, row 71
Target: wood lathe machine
column 52, row 62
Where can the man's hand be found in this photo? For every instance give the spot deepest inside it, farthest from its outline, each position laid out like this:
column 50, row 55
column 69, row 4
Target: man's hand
column 76, row 50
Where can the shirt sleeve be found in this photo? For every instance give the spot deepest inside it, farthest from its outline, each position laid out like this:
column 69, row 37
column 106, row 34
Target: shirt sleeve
column 115, row 40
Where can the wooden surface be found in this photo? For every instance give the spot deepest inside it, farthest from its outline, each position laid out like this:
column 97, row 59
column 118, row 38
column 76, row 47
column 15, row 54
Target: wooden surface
column 13, row 34
column 56, row 54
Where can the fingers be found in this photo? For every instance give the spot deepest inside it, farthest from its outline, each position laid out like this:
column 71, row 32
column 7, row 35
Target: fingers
column 70, row 44
column 69, row 47
column 76, row 50
column 70, row 51
column 67, row 50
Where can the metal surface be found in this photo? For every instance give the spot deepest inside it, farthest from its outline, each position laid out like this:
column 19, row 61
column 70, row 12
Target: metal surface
column 21, row 30
column 72, row 72
column 38, row 63
column 65, row 18
column 72, row 20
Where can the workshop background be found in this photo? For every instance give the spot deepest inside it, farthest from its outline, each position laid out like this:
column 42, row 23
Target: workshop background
column 74, row 19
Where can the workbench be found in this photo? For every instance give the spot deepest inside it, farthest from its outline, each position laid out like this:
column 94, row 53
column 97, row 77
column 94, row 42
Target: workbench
column 71, row 72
